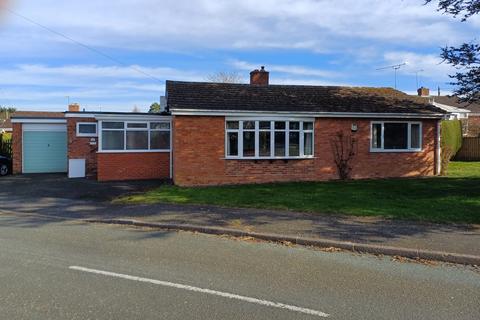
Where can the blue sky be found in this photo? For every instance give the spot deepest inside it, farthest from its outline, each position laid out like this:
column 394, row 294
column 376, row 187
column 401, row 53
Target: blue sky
column 317, row 42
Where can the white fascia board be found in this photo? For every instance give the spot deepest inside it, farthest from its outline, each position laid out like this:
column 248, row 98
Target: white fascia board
column 125, row 117
column 32, row 120
column 450, row 108
column 122, row 117
column 228, row 113
column 79, row 115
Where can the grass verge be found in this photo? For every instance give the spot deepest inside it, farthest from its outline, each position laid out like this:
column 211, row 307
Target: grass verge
column 455, row 198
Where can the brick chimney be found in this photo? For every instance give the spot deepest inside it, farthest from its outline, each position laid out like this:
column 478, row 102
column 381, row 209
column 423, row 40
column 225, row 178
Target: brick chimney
column 74, row 107
column 423, row 92
column 259, row 77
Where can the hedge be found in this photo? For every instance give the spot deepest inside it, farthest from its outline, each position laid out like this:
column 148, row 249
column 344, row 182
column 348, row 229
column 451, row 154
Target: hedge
column 452, row 135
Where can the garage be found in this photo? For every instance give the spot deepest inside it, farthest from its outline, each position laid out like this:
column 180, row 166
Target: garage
column 44, row 148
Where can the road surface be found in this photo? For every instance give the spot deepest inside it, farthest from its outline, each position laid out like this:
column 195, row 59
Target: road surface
column 68, row 270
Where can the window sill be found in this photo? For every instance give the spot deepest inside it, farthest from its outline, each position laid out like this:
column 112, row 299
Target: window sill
column 87, row 136
column 132, row 151
column 395, row 151
column 269, row 158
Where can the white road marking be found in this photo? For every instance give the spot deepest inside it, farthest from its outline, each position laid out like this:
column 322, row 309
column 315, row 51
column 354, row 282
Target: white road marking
column 201, row 290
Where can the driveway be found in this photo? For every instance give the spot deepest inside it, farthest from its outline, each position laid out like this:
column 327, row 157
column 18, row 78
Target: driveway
column 57, row 196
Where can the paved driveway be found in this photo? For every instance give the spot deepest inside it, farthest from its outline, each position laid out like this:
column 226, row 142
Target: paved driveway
column 57, row 196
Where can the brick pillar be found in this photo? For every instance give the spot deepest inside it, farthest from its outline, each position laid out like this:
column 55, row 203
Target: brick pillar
column 17, row 148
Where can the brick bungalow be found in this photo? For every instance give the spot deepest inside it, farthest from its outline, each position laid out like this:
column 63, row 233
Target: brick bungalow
column 218, row 133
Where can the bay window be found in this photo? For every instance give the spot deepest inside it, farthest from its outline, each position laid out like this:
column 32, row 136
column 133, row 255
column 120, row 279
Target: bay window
column 268, row 139
column 393, row 136
column 134, row 136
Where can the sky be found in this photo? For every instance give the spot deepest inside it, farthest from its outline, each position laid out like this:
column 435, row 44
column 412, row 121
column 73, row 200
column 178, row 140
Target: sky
column 137, row 45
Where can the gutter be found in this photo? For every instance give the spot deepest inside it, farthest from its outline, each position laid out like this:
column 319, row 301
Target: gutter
column 206, row 112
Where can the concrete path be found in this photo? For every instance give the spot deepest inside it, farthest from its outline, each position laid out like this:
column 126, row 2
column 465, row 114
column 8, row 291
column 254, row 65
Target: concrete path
column 68, row 270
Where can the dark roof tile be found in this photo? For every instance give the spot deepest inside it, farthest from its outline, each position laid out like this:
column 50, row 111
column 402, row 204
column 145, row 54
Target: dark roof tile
column 244, row 97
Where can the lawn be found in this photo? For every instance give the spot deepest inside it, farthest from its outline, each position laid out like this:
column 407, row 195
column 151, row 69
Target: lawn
column 455, row 198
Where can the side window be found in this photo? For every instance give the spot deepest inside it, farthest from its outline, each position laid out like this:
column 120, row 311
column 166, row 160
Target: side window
column 86, row 129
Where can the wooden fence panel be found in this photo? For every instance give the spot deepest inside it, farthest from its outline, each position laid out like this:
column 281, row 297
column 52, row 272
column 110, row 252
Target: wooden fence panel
column 470, row 150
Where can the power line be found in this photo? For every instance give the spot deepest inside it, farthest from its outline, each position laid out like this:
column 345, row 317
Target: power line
column 82, row 44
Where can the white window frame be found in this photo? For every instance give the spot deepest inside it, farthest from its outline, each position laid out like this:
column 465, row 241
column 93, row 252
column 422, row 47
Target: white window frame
column 79, row 134
column 409, row 136
column 272, row 121
column 159, row 130
column 125, row 129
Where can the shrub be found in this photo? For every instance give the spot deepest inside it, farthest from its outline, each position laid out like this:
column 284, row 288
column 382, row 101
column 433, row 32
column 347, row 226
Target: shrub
column 344, row 148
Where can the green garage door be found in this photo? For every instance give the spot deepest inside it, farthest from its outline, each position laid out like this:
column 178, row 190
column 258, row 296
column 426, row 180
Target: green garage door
column 44, row 148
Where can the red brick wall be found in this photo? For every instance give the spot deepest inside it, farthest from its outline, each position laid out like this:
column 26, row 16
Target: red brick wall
column 199, row 152
column 80, row 148
column 473, row 126
column 17, row 148
column 133, row 166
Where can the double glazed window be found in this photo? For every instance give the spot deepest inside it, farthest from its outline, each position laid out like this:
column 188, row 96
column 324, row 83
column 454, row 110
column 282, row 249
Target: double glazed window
column 269, row 139
column 135, row 136
column 396, row 136
column 86, row 129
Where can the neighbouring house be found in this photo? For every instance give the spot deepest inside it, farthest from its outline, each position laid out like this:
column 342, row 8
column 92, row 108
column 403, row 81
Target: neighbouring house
column 471, row 123
column 467, row 113
column 220, row 133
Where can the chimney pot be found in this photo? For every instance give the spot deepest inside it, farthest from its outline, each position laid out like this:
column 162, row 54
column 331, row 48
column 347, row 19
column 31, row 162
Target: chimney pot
column 423, row 92
column 74, row 107
column 259, row 77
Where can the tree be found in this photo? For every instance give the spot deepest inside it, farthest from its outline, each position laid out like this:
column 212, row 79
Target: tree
column 155, row 108
column 5, row 112
column 466, row 57
column 225, row 77
column 136, row 109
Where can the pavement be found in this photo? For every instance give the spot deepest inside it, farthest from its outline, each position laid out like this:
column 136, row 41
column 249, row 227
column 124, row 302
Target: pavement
column 62, row 199
column 72, row 270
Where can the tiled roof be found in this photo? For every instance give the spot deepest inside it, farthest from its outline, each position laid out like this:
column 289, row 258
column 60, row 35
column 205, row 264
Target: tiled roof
column 244, row 97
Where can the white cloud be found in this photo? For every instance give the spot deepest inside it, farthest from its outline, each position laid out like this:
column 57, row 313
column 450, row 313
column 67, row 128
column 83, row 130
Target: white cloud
column 26, row 86
column 316, row 25
column 431, row 64
column 87, row 75
column 287, row 69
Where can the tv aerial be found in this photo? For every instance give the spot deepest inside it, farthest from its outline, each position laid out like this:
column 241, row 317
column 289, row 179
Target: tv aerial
column 394, row 67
